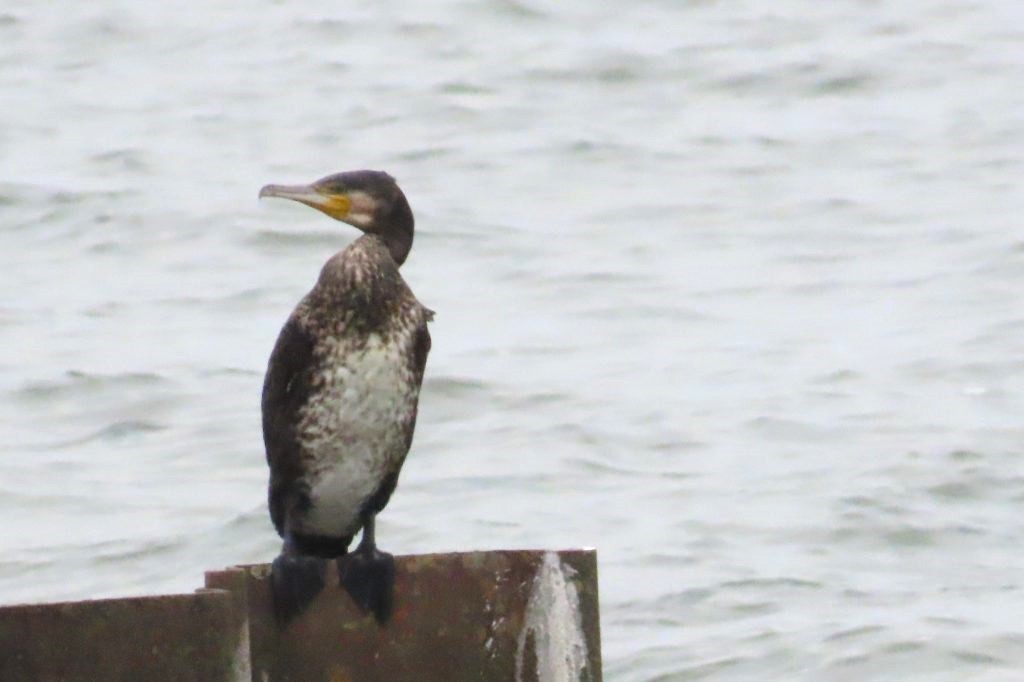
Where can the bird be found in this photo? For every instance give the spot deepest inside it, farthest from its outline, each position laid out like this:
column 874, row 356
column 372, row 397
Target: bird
column 340, row 397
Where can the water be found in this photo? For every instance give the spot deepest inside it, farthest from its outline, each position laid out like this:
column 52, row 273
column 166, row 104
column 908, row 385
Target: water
column 729, row 291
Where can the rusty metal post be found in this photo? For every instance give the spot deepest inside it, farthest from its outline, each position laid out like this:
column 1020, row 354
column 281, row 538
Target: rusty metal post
column 476, row 616
column 529, row 616
column 175, row 637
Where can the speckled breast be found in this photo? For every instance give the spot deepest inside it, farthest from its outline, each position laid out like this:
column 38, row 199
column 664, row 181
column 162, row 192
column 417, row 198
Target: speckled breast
column 354, row 430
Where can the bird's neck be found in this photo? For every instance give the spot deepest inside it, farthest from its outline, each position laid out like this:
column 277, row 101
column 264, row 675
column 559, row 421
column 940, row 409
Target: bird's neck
column 397, row 231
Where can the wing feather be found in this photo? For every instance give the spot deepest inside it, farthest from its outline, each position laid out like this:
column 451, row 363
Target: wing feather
column 286, row 390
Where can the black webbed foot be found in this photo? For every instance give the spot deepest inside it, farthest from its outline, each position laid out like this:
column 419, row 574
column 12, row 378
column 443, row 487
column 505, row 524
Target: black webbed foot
column 295, row 581
column 368, row 575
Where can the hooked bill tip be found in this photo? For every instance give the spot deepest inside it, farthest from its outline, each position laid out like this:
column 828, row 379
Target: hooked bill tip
column 303, row 193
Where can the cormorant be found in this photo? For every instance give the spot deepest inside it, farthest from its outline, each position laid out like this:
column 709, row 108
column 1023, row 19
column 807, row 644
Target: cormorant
column 340, row 397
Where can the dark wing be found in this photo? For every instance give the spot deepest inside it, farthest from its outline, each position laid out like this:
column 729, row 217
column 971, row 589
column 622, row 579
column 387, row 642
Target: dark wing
column 421, row 348
column 418, row 363
column 285, row 391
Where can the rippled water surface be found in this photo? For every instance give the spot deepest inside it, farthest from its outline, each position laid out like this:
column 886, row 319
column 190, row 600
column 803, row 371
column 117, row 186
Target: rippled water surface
column 729, row 290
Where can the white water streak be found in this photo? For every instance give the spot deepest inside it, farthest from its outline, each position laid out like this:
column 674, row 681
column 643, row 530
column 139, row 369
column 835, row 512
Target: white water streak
column 553, row 620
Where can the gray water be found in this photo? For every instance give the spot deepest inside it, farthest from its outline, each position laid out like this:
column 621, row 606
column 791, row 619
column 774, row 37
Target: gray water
column 728, row 290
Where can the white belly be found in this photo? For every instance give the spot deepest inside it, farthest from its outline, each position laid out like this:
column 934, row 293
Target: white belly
column 353, row 432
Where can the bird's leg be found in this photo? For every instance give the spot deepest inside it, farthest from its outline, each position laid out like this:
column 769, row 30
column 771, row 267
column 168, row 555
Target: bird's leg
column 295, row 580
column 368, row 574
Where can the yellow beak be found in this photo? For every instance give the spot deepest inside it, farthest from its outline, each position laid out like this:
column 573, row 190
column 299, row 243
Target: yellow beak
column 335, row 205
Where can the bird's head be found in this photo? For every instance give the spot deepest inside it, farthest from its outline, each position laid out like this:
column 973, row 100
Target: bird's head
column 366, row 199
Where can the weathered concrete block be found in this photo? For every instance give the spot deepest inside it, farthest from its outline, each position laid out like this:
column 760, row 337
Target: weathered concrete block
column 504, row 615
column 182, row 637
